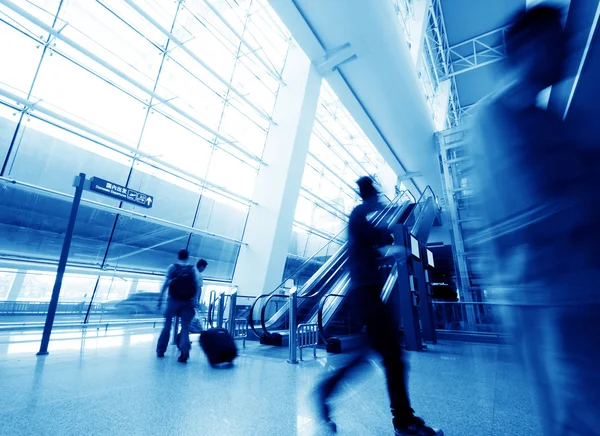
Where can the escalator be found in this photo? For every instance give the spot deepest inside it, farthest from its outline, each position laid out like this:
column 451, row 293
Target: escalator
column 333, row 315
column 331, row 276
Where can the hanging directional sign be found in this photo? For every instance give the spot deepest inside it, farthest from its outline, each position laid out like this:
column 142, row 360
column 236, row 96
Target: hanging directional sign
column 121, row 192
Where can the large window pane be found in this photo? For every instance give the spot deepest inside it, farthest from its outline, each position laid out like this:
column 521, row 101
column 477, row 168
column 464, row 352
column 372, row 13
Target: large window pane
column 176, row 145
column 104, row 34
column 247, row 133
column 89, row 99
column 91, row 236
column 220, row 254
column 249, row 83
column 32, row 226
column 8, row 124
column 201, row 41
column 50, row 157
column 222, row 216
column 232, row 174
column 161, row 11
column 20, row 57
column 139, row 245
column 45, row 10
column 187, row 91
column 174, row 199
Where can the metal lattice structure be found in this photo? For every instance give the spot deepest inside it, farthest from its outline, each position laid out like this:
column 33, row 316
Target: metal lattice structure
column 438, row 52
column 477, row 52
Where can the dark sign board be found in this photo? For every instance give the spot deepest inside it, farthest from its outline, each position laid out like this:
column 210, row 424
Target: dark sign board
column 120, row 192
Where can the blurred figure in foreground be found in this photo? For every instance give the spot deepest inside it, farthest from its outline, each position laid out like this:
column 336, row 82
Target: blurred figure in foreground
column 382, row 333
column 539, row 195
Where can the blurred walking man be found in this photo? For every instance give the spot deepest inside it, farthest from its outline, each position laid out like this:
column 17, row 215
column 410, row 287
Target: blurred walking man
column 539, row 195
column 382, row 333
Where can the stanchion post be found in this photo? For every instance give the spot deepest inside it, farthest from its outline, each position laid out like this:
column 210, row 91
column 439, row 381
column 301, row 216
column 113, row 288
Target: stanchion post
column 232, row 311
column 292, row 335
column 220, row 311
column 62, row 264
column 175, row 330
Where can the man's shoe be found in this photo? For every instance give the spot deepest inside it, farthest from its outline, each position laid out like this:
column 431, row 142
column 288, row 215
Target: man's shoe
column 417, row 428
column 160, row 354
column 183, row 357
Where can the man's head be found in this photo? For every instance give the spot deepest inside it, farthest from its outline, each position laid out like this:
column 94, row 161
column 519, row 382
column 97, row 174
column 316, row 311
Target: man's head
column 201, row 265
column 183, row 255
column 366, row 188
column 536, row 46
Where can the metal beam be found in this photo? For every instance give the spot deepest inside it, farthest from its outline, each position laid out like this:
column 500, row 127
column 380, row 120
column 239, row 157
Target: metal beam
column 335, row 58
column 482, row 51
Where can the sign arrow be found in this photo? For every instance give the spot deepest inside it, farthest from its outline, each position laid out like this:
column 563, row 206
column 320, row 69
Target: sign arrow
column 149, row 201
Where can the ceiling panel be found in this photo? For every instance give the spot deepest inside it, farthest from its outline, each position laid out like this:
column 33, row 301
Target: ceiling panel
column 466, row 19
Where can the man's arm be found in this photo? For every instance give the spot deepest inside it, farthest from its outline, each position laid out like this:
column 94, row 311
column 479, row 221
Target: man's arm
column 367, row 234
column 199, row 284
column 165, row 285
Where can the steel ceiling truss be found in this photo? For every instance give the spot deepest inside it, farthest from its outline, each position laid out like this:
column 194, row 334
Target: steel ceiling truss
column 446, row 62
column 479, row 51
column 438, row 52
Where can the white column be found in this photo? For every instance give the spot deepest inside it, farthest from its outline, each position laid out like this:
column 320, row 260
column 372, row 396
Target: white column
column 268, row 231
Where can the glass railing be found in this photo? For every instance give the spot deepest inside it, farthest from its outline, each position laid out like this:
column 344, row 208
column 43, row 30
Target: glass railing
column 472, row 318
column 116, row 263
column 427, row 200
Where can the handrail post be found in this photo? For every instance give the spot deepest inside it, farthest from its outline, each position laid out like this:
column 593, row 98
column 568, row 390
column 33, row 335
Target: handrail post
column 232, row 311
column 220, row 311
column 292, row 335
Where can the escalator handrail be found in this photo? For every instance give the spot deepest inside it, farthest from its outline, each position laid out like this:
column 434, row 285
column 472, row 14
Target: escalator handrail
column 263, row 310
column 427, row 188
column 289, row 276
column 325, row 268
column 320, row 326
column 263, row 321
column 251, row 313
column 418, row 219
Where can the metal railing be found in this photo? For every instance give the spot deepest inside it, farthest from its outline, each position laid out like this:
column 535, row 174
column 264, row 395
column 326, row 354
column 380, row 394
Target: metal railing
column 239, row 330
column 307, row 335
column 80, row 324
column 470, row 317
column 41, row 307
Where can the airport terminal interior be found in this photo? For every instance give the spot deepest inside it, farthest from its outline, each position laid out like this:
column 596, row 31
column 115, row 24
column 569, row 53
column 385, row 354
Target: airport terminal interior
column 237, row 129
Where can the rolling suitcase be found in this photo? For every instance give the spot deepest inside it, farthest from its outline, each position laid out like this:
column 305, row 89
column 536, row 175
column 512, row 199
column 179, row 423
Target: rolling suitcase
column 218, row 346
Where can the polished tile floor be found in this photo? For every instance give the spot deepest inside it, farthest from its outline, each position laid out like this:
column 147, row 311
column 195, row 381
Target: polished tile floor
column 114, row 385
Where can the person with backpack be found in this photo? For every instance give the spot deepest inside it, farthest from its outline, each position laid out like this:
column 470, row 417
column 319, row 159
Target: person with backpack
column 183, row 283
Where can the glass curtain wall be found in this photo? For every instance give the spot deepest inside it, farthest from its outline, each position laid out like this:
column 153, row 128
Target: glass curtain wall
column 339, row 153
column 169, row 98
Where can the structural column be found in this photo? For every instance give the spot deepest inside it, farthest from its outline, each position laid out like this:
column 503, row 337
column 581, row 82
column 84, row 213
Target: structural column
column 268, row 230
